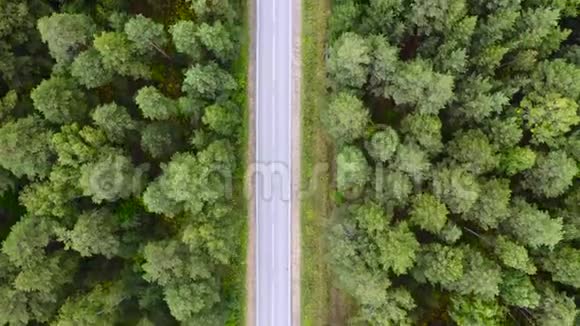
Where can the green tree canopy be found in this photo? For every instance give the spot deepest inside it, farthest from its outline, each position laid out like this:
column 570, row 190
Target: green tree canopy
column 208, row 82
column 24, row 147
column 428, row 213
column 552, row 174
column 60, row 100
column 533, row 227
column 425, row 130
column 347, row 118
column 564, row 265
column 383, row 144
column 88, row 68
column 114, row 120
column 183, row 35
column 513, row 255
column 353, row 170
column 492, row 205
column 111, row 177
column 456, row 187
column 348, row 62
column 66, row 34
column 120, row 55
column 549, row 116
column 154, row 105
column 217, row 40
column 146, row 34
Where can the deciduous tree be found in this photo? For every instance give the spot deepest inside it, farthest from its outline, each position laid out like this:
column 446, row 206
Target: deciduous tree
column 346, row 118
column 24, row 147
column 60, row 100
column 66, row 34
column 552, row 174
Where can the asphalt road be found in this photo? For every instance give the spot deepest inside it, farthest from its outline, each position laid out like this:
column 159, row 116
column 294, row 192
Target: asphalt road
column 273, row 162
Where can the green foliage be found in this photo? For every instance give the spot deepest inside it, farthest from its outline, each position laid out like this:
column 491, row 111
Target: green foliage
column 397, row 188
column 348, row 61
column 556, row 308
column 224, row 119
column 169, row 261
column 208, row 82
column 146, row 34
column 438, row 17
column 216, row 39
column 416, row 84
column 393, row 310
column 477, row 100
column 52, row 197
column 481, row 275
column 160, row 139
column 85, row 246
column 66, row 34
column 24, row 147
column 533, row 227
column 412, row 160
column 428, row 213
column 114, row 120
column 190, row 181
column 504, row 133
column 425, row 130
column 472, row 150
column 384, row 62
column 472, row 129
column 466, row 311
column 492, row 205
column 346, row 118
column 60, row 100
column 549, row 116
column 154, row 105
column 557, row 76
column 513, row 255
column 518, row 290
column 110, row 178
column 97, row 307
column 8, row 103
column 353, row 170
column 516, row 160
column 383, row 144
column 398, row 249
column 456, row 187
column 24, row 59
column 120, row 55
column 75, row 146
column 564, row 265
column 27, row 240
column 552, row 174
column 92, row 234
column 88, row 68
column 183, row 34
column 439, row 264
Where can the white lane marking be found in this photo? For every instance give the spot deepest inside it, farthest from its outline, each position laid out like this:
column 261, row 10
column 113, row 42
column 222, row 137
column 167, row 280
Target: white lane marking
column 274, row 60
column 273, row 229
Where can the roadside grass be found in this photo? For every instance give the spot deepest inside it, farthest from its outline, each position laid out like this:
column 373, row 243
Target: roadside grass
column 315, row 208
column 237, row 277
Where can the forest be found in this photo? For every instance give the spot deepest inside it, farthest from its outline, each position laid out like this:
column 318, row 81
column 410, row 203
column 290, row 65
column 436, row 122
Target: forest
column 456, row 131
column 121, row 146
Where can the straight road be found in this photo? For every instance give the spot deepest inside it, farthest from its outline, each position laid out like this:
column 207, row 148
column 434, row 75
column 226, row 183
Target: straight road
column 273, row 116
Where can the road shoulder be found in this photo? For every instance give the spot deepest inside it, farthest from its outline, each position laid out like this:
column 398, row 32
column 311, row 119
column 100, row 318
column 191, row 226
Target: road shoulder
column 296, row 157
column 250, row 319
